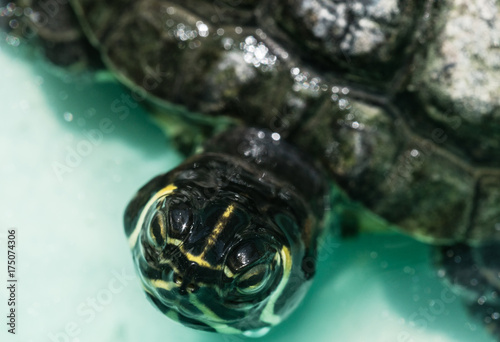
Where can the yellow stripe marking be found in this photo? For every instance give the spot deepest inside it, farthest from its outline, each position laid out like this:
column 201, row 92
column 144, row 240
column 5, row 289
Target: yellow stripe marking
column 199, row 260
column 162, row 284
column 163, row 229
column 161, row 193
column 172, row 241
column 212, row 238
column 219, row 227
column 268, row 315
column 228, row 272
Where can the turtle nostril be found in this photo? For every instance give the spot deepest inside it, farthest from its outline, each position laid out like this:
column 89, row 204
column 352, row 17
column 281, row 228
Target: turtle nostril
column 177, row 280
column 191, row 288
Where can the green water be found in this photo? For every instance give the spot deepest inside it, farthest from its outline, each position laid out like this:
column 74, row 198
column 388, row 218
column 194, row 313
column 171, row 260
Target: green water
column 69, row 165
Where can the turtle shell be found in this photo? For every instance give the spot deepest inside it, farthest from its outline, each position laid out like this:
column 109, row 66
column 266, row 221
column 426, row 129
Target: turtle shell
column 397, row 99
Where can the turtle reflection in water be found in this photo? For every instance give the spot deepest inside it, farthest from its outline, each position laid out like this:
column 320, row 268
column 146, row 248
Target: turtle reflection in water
column 396, row 102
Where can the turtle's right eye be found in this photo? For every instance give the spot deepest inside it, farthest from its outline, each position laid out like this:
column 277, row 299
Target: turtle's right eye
column 157, row 232
column 180, row 220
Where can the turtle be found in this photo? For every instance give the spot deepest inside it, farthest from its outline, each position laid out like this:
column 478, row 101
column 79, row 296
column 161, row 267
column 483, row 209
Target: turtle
column 276, row 102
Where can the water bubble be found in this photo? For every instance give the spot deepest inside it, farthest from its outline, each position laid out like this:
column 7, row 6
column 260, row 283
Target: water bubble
column 343, row 103
column 14, row 23
column 220, row 31
column 257, row 53
column 250, row 40
column 227, row 43
column 13, row 41
column 414, row 153
column 68, row 116
column 261, row 33
column 238, row 30
column 202, row 28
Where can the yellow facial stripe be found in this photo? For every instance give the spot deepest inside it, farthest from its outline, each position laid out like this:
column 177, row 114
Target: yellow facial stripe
column 132, row 240
column 172, row 241
column 219, row 227
column 163, row 229
column 228, row 272
column 162, row 284
column 199, row 260
column 268, row 315
column 212, row 238
column 254, row 271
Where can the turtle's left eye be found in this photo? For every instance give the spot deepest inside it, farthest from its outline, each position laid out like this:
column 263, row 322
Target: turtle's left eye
column 254, row 280
column 180, row 220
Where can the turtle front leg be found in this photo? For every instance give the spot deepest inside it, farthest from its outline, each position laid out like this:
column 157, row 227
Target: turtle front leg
column 473, row 273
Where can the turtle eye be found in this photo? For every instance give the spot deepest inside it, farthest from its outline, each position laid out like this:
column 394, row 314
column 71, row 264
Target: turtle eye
column 157, row 232
column 180, row 220
column 254, row 280
column 253, row 261
column 246, row 254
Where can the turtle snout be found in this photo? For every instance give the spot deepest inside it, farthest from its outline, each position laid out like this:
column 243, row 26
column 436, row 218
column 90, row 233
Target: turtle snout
column 186, row 282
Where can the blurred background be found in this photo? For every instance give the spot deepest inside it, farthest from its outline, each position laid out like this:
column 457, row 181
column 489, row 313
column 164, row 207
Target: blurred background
column 68, row 167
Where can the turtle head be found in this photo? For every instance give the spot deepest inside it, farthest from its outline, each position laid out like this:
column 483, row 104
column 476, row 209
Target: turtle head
column 216, row 254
